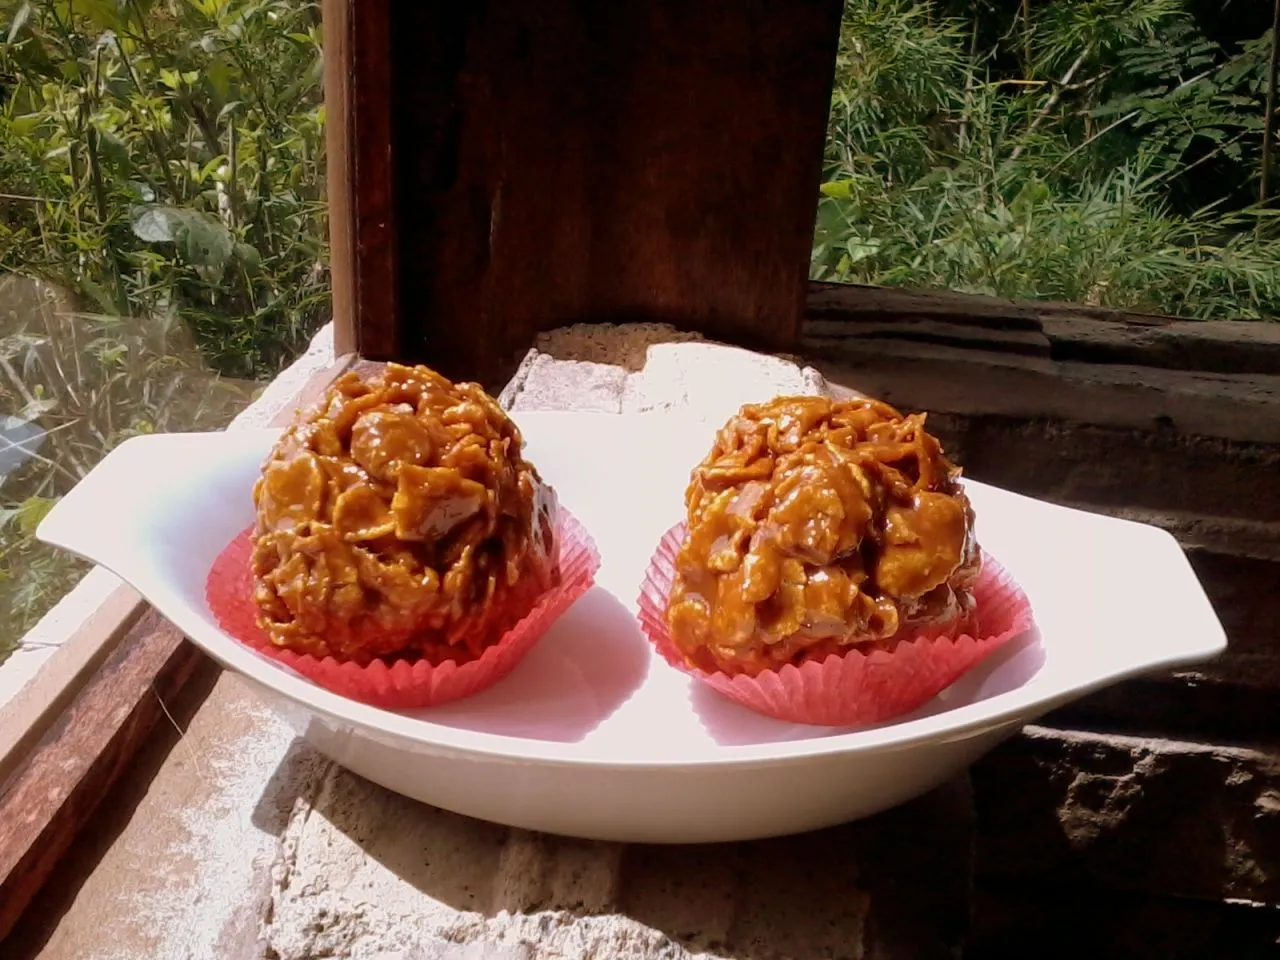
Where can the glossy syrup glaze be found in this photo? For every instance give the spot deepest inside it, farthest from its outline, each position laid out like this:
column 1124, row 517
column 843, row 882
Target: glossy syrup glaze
column 399, row 517
column 814, row 525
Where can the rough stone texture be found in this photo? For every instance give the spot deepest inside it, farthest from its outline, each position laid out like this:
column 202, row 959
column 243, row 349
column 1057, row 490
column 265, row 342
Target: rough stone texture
column 1165, row 817
column 368, row 874
column 1088, row 828
column 179, row 863
column 645, row 367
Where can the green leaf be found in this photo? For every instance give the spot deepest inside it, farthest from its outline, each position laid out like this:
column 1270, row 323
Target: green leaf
column 228, row 108
column 115, row 152
column 98, row 294
column 103, row 14
column 1032, row 194
column 25, row 126
column 37, row 408
column 156, row 224
column 203, row 241
column 206, row 243
column 31, row 511
column 248, row 254
column 141, row 191
column 860, row 248
column 210, row 168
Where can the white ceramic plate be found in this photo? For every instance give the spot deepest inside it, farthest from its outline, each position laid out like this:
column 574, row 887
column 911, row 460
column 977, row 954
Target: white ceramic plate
column 595, row 736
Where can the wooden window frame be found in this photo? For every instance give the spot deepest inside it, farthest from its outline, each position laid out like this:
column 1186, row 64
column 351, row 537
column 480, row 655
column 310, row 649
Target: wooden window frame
column 71, row 733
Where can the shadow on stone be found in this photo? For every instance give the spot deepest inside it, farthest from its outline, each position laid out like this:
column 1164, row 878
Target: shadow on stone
column 59, row 892
column 893, row 886
column 297, row 776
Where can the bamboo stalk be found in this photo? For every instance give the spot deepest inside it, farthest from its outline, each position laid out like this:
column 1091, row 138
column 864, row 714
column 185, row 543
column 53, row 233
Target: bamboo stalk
column 1026, row 37
column 1268, row 122
column 968, row 86
column 1054, row 97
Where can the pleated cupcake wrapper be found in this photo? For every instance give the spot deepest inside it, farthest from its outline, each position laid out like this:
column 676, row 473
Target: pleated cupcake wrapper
column 401, row 684
column 854, row 689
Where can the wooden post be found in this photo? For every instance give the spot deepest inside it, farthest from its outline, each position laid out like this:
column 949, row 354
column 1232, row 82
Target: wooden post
column 362, row 221
column 554, row 162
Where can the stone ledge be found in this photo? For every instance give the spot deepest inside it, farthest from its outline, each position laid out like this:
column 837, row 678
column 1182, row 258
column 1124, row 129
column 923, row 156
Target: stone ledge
column 368, row 874
column 1058, row 331
column 1230, row 699
column 1145, row 815
column 977, row 382
column 1073, row 921
column 1162, row 475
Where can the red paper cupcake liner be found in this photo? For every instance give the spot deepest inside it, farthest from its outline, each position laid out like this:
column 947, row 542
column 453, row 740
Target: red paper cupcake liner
column 854, row 689
column 401, row 684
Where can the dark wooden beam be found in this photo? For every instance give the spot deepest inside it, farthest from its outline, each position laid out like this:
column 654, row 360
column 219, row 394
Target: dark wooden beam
column 130, row 669
column 559, row 162
column 362, row 201
column 49, row 800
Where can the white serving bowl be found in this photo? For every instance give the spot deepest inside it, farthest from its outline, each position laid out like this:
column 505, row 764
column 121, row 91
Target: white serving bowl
column 594, row 735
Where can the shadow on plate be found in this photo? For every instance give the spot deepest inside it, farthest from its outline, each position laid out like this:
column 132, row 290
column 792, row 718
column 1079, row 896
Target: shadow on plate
column 590, row 663
column 733, row 725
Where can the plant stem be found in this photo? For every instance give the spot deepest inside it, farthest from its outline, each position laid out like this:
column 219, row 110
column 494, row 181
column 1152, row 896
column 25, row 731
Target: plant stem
column 963, row 136
column 183, row 93
column 1027, row 66
column 1268, row 121
column 233, row 171
column 1054, row 97
column 152, row 135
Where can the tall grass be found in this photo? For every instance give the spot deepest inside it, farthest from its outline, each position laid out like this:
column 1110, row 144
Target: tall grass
column 1062, row 176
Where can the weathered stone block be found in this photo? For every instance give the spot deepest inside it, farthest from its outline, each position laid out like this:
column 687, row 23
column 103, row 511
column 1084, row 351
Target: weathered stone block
column 1145, row 815
column 1075, row 921
column 369, row 874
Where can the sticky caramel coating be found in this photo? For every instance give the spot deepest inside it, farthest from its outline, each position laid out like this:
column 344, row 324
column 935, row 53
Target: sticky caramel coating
column 815, row 525
column 398, row 517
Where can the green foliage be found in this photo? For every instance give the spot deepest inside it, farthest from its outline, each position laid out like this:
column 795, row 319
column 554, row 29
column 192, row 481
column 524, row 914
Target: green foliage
column 1069, row 176
column 173, row 157
column 162, row 234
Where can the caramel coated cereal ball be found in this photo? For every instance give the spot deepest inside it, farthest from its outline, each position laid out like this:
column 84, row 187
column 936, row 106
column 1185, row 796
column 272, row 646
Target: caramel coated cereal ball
column 398, row 517
column 817, row 525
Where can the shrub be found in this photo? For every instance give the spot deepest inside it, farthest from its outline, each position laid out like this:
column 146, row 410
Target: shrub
column 162, row 225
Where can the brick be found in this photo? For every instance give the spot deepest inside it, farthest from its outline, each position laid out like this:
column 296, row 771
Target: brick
column 1233, row 699
column 363, row 865
column 1145, row 815
column 1069, row 922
